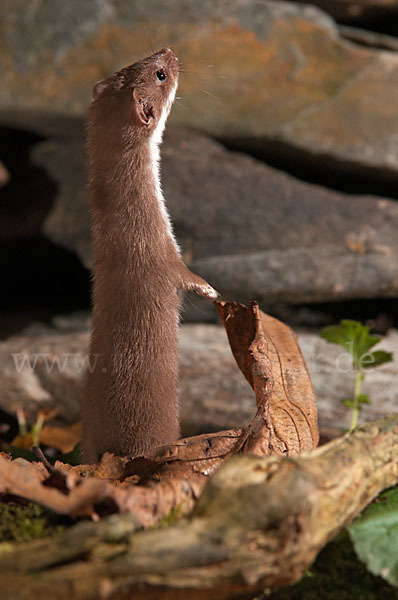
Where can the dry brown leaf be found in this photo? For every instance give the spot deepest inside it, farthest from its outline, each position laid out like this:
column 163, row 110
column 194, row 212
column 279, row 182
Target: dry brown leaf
column 174, row 478
column 198, row 454
column 192, row 454
column 89, row 495
column 62, row 438
column 27, row 479
column 268, row 354
column 30, row 436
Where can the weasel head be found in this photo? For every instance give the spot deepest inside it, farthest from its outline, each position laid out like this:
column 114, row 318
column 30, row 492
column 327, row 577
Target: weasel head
column 141, row 95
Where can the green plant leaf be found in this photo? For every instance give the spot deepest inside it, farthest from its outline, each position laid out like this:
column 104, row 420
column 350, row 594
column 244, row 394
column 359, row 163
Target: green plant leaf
column 376, row 358
column 73, row 457
column 352, row 336
column 375, row 536
column 348, row 402
column 337, row 334
column 363, row 399
column 17, row 452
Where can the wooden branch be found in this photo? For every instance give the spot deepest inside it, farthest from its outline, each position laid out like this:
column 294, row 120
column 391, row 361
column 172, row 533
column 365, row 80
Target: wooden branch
column 259, row 522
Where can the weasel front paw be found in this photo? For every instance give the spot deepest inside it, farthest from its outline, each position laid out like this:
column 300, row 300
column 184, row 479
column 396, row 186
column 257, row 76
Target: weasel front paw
column 190, row 282
column 206, row 291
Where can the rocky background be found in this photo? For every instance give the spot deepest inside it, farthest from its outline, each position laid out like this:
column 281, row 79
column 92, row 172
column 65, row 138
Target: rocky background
column 279, row 170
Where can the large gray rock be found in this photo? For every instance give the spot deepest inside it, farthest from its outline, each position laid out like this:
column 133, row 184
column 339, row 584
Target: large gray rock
column 67, row 223
column 358, row 10
column 45, row 367
column 255, row 232
column 369, row 38
column 263, row 75
column 252, row 231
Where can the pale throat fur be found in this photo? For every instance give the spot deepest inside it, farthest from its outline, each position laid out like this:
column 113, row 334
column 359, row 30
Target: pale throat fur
column 154, row 153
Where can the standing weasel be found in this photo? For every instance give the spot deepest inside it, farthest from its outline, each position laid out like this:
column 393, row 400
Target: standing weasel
column 131, row 396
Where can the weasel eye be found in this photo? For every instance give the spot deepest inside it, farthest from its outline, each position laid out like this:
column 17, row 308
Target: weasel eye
column 161, row 75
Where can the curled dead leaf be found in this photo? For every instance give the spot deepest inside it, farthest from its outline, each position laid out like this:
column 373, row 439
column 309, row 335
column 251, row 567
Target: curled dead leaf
column 62, row 438
column 267, row 352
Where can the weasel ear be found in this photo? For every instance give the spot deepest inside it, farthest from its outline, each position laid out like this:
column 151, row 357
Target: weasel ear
column 142, row 113
column 99, row 87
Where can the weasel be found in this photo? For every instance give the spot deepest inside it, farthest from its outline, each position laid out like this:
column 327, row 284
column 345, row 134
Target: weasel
column 131, row 395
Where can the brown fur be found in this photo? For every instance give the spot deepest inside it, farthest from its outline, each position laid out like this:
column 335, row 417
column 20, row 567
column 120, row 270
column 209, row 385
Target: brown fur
column 131, row 396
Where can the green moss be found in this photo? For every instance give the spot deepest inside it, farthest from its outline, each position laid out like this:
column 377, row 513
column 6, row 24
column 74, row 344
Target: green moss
column 170, row 519
column 337, row 574
column 23, row 523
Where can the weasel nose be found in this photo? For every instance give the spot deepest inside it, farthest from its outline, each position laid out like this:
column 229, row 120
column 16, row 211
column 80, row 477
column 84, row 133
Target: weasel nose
column 169, row 52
